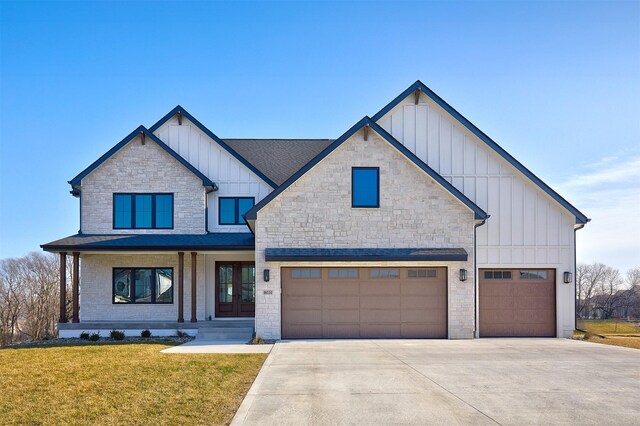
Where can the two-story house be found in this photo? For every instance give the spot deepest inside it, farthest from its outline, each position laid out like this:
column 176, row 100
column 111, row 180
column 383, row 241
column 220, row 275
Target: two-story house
column 413, row 223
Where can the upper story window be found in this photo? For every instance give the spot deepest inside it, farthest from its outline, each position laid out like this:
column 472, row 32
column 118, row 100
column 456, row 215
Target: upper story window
column 231, row 209
column 142, row 211
column 365, row 187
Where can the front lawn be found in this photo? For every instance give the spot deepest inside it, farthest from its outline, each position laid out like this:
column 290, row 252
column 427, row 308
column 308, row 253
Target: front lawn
column 604, row 327
column 121, row 384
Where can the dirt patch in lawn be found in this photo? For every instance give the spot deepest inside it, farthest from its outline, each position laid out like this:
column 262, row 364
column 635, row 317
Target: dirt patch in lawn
column 121, row 384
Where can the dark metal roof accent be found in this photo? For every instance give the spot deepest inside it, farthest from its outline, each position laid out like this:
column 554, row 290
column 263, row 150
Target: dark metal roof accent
column 279, row 159
column 479, row 213
column 203, row 128
column 141, row 129
column 154, row 242
column 366, row 254
column 580, row 217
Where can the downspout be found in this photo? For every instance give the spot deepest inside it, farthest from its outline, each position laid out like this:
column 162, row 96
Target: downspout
column 476, row 331
column 209, row 190
column 575, row 276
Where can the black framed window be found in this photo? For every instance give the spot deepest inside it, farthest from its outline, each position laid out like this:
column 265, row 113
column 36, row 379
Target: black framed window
column 365, row 187
column 231, row 209
column 142, row 211
column 143, row 285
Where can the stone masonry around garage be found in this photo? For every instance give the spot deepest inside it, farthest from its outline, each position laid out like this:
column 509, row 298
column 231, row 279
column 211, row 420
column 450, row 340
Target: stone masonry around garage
column 316, row 212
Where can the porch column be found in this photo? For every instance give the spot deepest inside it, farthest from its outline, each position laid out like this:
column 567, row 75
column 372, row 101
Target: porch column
column 76, row 287
column 180, row 286
column 193, row 286
column 63, row 287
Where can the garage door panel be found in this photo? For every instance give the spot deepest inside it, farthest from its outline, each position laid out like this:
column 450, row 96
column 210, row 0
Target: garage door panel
column 434, row 316
column 305, row 288
column 304, row 316
column 380, row 330
column 302, row 331
column 418, row 330
column 330, row 316
column 380, row 316
column 520, row 305
column 379, row 288
column 340, row 288
column 341, row 331
column 340, row 302
column 304, row 302
column 380, row 302
column 365, row 307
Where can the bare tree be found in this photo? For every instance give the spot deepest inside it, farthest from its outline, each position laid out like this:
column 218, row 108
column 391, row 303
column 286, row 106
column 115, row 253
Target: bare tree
column 609, row 293
column 11, row 300
column 588, row 278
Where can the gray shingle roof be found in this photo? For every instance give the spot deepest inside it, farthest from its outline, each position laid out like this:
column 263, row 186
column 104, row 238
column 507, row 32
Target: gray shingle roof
column 278, row 159
column 365, row 254
column 158, row 242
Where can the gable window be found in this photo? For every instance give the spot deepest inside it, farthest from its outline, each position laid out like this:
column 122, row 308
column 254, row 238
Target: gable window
column 231, row 209
column 143, row 285
column 365, row 187
column 142, row 211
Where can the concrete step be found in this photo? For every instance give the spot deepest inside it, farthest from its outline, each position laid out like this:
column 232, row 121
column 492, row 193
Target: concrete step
column 244, row 334
column 217, row 324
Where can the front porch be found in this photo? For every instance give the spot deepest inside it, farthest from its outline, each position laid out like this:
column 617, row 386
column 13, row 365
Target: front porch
column 151, row 284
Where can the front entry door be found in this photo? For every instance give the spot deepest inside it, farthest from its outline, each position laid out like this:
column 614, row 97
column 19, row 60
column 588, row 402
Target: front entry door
column 235, row 289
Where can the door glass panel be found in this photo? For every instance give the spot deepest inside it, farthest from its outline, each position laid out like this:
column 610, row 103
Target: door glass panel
column 248, row 283
column 226, row 283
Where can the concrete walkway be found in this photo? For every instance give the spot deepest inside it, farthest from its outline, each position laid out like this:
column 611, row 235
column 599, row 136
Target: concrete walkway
column 485, row 381
column 218, row 347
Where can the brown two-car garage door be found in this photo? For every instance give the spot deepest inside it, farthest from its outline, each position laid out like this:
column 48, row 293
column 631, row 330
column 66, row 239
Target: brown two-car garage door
column 364, row 302
column 517, row 303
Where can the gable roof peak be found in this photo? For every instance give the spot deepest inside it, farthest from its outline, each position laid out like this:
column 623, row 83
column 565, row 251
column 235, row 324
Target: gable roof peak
column 581, row 218
column 139, row 130
column 214, row 137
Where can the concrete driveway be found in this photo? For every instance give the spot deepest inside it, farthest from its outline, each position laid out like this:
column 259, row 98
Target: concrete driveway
column 486, row 381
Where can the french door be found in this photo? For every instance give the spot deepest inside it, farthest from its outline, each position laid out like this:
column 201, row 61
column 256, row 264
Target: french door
column 235, row 289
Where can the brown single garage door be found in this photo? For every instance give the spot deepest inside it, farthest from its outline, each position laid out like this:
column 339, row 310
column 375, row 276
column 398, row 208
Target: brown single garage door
column 517, row 303
column 364, row 302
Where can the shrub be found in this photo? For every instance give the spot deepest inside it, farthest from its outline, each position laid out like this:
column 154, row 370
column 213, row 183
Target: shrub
column 180, row 333
column 257, row 340
column 145, row 333
column 94, row 337
column 117, row 334
column 84, row 335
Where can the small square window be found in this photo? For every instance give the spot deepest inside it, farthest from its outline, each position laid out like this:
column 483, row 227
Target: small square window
column 365, row 187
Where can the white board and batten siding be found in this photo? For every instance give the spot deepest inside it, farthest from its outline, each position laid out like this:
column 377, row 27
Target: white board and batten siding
column 527, row 228
column 233, row 178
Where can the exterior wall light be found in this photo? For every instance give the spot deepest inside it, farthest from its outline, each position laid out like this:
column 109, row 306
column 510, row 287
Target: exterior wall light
column 265, row 275
column 463, row 274
column 568, row 277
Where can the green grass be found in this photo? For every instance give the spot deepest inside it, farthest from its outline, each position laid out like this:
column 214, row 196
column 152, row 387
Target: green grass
column 608, row 327
column 121, row 384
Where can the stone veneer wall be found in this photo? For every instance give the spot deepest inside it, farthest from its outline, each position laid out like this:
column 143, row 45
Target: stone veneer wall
column 141, row 168
column 96, row 288
column 315, row 212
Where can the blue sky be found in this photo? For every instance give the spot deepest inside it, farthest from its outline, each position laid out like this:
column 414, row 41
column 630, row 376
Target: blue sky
column 555, row 83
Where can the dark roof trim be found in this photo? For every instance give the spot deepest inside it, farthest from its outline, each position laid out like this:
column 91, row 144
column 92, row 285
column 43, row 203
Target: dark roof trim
column 153, row 242
column 580, row 217
column 203, row 128
column 479, row 213
column 78, row 179
column 366, row 255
